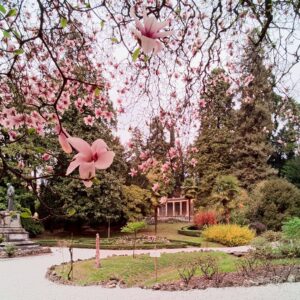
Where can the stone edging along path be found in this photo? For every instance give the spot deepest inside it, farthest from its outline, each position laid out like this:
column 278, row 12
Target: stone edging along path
column 23, row 278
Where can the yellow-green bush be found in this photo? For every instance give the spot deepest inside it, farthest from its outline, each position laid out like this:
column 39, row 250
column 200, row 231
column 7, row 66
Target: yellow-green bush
column 229, row 234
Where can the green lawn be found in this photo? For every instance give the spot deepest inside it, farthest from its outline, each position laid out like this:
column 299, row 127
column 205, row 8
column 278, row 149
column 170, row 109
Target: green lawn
column 170, row 232
column 140, row 270
column 166, row 230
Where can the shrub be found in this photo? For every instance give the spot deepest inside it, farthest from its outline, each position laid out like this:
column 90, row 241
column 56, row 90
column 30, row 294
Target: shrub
column 291, row 229
column 258, row 227
column 209, row 266
column 187, row 272
column 229, row 234
column 10, row 250
column 33, row 227
column 205, row 218
column 272, row 236
column 275, row 201
column 190, row 231
column 291, row 250
column 1, row 239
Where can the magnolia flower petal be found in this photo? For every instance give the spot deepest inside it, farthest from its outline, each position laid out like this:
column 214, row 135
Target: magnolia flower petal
column 132, row 13
column 104, row 160
column 87, row 170
column 81, row 146
column 163, row 34
column 148, row 44
column 63, row 140
column 87, row 183
column 149, row 24
column 157, row 26
column 136, row 33
column 148, row 21
column 99, row 146
column 78, row 159
column 158, row 47
column 140, row 26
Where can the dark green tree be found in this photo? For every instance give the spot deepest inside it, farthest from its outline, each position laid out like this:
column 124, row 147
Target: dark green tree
column 286, row 133
column 68, row 195
column 291, row 171
column 215, row 137
column 252, row 147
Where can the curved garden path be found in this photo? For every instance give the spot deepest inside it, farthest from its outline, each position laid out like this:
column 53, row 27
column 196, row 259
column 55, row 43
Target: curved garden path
column 24, row 279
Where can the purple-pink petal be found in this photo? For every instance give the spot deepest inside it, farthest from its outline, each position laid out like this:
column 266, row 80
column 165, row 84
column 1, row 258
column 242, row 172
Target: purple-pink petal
column 104, row 160
column 87, row 183
column 81, row 146
column 64, row 143
column 77, row 160
column 99, row 146
column 87, row 170
column 163, row 34
column 148, row 44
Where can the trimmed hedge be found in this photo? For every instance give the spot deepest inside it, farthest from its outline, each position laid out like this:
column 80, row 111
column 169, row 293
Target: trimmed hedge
column 173, row 245
column 189, row 232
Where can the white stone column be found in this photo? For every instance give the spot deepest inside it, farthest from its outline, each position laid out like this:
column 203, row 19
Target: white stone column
column 180, row 207
column 166, row 212
column 173, row 208
column 158, row 212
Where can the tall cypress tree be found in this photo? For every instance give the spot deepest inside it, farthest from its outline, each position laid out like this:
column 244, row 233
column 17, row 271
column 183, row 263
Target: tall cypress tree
column 157, row 142
column 252, row 147
column 214, row 141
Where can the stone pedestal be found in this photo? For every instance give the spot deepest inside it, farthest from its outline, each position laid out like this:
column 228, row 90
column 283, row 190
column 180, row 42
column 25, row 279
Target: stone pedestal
column 12, row 231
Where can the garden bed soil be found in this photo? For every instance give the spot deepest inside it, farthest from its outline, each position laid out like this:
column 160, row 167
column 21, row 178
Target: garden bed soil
column 257, row 277
column 260, row 276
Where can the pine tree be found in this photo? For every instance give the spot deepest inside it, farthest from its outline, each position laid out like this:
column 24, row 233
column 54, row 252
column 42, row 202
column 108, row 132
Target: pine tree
column 214, row 141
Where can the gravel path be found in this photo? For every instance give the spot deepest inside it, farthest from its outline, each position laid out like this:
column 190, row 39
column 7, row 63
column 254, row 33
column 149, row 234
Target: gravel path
column 24, row 279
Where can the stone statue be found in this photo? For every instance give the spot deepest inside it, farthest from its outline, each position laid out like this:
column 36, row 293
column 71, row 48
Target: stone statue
column 10, row 197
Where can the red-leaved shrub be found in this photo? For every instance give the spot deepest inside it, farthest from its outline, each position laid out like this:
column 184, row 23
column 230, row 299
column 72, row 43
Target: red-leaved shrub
column 203, row 218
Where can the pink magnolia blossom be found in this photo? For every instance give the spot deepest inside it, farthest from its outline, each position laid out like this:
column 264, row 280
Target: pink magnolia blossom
column 46, row 156
column 165, row 167
column 193, row 162
column 89, row 120
column 49, row 169
column 144, row 155
column 155, row 187
column 149, row 33
column 63, row 139
column 89, row 158
column 133, row 172
column 163, row 200
column 202, row 103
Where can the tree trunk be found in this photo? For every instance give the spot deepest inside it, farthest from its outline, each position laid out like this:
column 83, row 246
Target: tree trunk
column 227, row 216
column 134, row 244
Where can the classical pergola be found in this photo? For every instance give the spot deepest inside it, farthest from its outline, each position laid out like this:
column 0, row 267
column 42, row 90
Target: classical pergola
column 176, row 208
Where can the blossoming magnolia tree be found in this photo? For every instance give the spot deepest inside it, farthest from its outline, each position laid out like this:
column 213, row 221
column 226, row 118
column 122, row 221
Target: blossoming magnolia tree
column 151, row 56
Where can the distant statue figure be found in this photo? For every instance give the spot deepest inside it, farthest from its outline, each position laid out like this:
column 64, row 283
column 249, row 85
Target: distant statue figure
column 10, row 197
